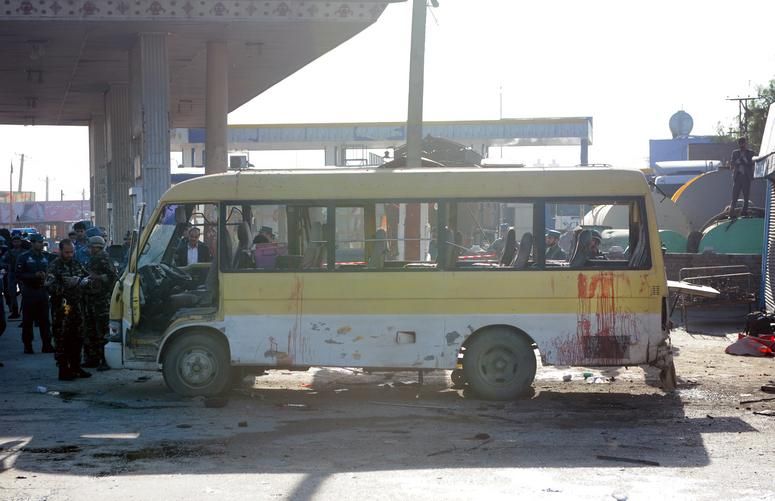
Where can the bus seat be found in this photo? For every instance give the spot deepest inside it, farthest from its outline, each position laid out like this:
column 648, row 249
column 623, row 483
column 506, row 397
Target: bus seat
column 377, row 258
column 525, row 246
column 509, row 248
column 242, row 258
column 580, row 254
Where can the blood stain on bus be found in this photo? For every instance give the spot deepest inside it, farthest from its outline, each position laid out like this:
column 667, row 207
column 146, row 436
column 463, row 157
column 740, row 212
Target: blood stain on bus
column 296, row 342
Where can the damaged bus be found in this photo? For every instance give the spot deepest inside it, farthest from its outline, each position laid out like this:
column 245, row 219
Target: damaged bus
column 392, row 270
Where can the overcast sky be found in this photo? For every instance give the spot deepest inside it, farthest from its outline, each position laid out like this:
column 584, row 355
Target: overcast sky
column 629, row 65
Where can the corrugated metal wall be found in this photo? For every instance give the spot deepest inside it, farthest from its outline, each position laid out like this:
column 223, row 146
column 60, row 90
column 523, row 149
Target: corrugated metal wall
column 768, row 263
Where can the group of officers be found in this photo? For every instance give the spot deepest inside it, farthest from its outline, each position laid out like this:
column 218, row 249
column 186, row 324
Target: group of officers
column 73, row 287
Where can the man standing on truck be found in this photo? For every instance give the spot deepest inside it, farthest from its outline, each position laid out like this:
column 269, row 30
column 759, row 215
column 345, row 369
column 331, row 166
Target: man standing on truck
column 742, row 175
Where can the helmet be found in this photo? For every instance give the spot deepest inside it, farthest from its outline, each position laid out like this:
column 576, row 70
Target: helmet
column 93, row 232
column 96, row 241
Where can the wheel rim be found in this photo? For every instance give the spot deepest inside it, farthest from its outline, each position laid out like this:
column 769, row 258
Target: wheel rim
column 498, row 366
column 198, row 367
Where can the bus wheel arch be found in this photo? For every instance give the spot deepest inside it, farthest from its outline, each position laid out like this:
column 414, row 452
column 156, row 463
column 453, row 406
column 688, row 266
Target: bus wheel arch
column 196, row 362
column 499, row 362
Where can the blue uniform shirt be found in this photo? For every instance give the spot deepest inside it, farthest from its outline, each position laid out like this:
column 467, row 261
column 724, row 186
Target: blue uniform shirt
column 28, row 264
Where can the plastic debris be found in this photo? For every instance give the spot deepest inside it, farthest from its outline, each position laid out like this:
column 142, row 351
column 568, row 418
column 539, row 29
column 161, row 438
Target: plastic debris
column 42, row 389
column 567, row 377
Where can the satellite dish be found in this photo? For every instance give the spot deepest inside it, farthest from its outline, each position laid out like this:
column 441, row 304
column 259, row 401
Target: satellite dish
column 681, row 124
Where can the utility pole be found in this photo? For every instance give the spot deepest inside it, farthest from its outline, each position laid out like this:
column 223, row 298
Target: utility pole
column 21, row 173
column 61, row 195
column 742, row 109
column 46, row 188
column 416, row 83
column 10, row 197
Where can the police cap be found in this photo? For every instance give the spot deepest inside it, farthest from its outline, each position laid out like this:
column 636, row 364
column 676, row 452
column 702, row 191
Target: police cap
column 36, row 237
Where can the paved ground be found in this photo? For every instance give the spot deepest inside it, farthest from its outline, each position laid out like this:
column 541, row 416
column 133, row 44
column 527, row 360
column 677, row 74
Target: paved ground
column 344, row 434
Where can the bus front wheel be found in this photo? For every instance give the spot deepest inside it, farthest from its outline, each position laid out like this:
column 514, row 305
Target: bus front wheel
column 499, row 364
column 197, row 364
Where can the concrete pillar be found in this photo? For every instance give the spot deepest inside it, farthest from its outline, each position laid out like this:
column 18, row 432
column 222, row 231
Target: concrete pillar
column 98, row 170
column 331, row 155
column 149, row 101
column 217, row 108
column 119, row 172
column 584, row 151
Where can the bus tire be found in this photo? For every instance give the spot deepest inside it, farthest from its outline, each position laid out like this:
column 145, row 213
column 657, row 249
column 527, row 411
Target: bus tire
column 197, row 364
column 499, row 364
column 458, row 379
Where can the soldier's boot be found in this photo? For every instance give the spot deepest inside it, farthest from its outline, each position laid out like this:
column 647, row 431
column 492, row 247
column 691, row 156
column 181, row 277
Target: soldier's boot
column 64, row 373
column 81, row 373
column 28, row 349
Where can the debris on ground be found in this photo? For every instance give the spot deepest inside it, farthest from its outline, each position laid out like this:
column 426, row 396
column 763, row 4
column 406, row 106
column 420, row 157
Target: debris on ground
column 768, row 388
column 628, row 460
column 242, row 424
column 567, row 377
column 295, row 406
column 216, row 402
column 768, row 413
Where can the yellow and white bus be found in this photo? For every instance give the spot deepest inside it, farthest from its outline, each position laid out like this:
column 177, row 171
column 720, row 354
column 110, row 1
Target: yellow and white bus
column 392, row 270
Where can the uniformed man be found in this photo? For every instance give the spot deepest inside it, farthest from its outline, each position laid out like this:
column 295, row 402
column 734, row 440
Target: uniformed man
column 83, row 250
column 553, row 250
column 31, row 268
column 12, row 257
column 102, row 278
column 64, row 280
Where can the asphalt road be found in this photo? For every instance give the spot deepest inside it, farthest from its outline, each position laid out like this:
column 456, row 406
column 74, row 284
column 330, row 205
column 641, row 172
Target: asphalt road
column 344, row 434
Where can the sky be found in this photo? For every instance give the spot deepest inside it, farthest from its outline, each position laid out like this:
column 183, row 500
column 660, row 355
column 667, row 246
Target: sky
column 629, row 65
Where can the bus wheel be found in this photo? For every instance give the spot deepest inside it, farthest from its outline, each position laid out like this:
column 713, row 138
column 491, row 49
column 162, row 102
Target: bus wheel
column 197, row 365
column 499, row 364
column 458, row 379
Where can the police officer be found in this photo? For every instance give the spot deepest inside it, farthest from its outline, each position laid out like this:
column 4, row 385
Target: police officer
column 64, row 281
column 31, row 270
column 12, row 257
column 102, row 278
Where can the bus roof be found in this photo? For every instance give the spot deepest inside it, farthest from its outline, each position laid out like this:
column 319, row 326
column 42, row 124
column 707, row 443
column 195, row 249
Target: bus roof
column 345, row 184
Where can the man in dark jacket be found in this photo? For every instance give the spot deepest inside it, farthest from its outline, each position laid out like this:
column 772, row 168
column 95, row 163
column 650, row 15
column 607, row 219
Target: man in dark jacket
column 31, row 269
column 191, row 250
column 742, row 175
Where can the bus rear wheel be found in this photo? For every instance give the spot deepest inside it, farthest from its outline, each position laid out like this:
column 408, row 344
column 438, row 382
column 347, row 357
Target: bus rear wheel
column 197, row 364
column 499, row 364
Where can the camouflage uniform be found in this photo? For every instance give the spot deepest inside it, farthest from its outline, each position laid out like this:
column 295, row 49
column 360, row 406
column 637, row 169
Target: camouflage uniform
column 66, row 298
column 96, row 301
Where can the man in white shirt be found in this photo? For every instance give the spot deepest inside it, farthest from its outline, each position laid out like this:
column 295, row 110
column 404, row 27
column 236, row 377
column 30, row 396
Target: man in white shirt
column 192, row 251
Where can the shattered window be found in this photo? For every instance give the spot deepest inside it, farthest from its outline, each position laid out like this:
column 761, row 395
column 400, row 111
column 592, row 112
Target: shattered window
column 386, row 236
column 276, row 237
column 590, row 234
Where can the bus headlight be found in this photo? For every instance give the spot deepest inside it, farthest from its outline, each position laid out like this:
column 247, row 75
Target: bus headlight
column 114, row 331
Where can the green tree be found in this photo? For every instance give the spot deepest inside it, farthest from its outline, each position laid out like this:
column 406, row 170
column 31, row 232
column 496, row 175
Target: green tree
column 755, row 115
